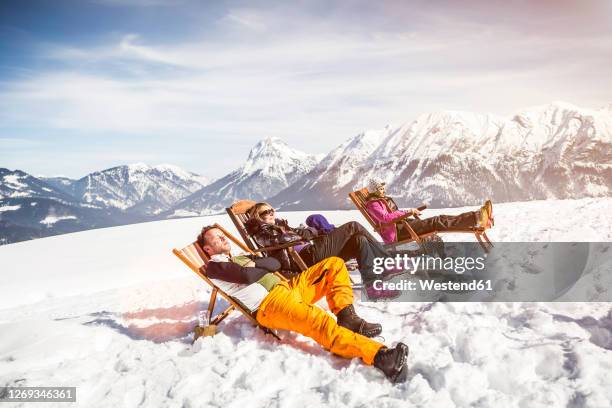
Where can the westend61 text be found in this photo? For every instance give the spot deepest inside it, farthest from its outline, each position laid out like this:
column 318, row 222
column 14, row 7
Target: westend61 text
column 432, row 285
column 414, row 263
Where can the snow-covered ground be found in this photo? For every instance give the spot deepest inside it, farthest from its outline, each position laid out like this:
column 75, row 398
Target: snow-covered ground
column 111, row 311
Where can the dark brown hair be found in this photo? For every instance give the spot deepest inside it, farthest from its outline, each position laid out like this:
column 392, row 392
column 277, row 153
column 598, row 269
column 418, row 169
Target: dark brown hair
column 202, row 237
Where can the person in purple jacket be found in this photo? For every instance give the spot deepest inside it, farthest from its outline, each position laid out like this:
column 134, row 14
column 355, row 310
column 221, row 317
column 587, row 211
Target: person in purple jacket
column 384, row 211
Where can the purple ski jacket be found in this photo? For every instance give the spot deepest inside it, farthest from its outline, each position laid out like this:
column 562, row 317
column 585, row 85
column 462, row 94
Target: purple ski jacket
column 382, row 214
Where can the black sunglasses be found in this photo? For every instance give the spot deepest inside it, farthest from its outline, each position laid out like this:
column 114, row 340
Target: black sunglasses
column 269, row 211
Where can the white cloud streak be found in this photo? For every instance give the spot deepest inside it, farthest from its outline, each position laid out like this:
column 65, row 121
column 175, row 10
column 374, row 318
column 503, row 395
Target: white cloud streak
column 314, row 82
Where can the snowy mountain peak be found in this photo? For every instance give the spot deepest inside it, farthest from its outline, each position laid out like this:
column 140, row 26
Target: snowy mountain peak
column 170, row 168
column 563, row 105
column 451, row 158
column 16, row 184
column 270, row 167
column 137, row 167
column 138, row 186
column 344, row 159
column 552, row 113
column 273, row 156
column 265, row 149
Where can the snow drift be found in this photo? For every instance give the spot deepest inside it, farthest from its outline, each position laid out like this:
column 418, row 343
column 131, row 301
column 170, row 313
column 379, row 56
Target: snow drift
column 110, row 311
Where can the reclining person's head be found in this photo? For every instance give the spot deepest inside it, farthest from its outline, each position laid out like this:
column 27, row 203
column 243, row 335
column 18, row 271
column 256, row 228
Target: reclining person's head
column 263, row 212
column 376, row 186
column 213, row 241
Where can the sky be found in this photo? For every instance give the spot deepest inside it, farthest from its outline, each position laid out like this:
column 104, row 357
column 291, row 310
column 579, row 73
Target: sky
column 90, row 84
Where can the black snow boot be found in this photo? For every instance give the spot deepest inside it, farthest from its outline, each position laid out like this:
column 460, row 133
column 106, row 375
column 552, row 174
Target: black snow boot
column 349, row 319
column 393, row 362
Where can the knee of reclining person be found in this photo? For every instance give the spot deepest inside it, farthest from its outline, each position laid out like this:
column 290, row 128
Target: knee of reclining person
column 362, row 238
column 334, row 262
column 355, row 226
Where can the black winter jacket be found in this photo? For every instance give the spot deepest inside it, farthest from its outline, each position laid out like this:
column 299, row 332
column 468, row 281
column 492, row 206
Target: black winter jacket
column 279, row 233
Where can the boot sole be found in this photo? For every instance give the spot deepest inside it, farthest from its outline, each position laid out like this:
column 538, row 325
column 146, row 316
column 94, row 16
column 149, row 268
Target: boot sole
column 401, row 376
column 367, row 333
column 401, row 368
column 372, row 333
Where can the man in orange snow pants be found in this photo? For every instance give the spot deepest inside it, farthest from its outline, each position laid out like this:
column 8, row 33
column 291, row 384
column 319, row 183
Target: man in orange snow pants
column 290, row 305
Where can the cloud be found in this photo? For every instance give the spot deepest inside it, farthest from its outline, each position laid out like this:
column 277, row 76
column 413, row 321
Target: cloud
column 18, row 143
column 313, row 78
column 247, row 19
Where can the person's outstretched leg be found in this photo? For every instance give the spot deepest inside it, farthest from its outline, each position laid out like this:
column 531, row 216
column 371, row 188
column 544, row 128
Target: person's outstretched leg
column 328, row 278
column 442, row 223
column 348, row 241
column 289, row 307
column 332, row 243
column 352, row 240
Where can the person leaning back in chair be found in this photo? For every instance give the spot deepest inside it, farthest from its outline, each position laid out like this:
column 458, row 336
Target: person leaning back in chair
column 383, row 210
column 290, row 305
column 348, row 241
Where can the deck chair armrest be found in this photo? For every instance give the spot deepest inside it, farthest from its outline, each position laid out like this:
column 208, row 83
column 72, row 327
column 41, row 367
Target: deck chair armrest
column 423, row 207
column 280, row 275
column 281, row 246
column 398, row 220
column 413, row 235
column 403, row 219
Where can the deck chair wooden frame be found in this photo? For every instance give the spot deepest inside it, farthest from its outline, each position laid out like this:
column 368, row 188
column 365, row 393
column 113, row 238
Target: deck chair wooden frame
column 358, row 198
column 196, row 259
column 238, row 213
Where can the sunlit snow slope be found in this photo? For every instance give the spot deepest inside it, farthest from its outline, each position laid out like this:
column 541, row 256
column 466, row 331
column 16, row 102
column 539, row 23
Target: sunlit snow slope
column 110, row 311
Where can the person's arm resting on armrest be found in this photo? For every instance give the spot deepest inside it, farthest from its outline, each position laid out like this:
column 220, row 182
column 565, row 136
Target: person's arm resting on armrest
column 234, row 273
column 268, row 263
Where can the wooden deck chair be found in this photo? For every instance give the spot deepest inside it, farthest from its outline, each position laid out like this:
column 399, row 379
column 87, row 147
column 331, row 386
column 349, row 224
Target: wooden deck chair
column 238, row 213
column 196, row 259
column 359, row 199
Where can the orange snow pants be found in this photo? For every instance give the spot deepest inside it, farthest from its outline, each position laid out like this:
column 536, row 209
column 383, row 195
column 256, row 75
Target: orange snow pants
column 290, row 306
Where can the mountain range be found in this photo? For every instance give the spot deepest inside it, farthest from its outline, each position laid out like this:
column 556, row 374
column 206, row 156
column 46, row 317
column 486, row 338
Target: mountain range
column 445, row 159
column 137, row 188
column 450, row 158
column 271, row 166
column 33, row 207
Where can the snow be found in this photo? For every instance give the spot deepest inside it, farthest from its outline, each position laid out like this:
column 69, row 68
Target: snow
column 52, row 219
column 126, row 186
column 556, row 150
column 110, row 311
column 17, row 194
column 340, row 163
column 271, row 166
column 13, row 181
column 183, row 213
column 273, row 157
column 9, row 208
column 171, row 169
column 138, row 167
